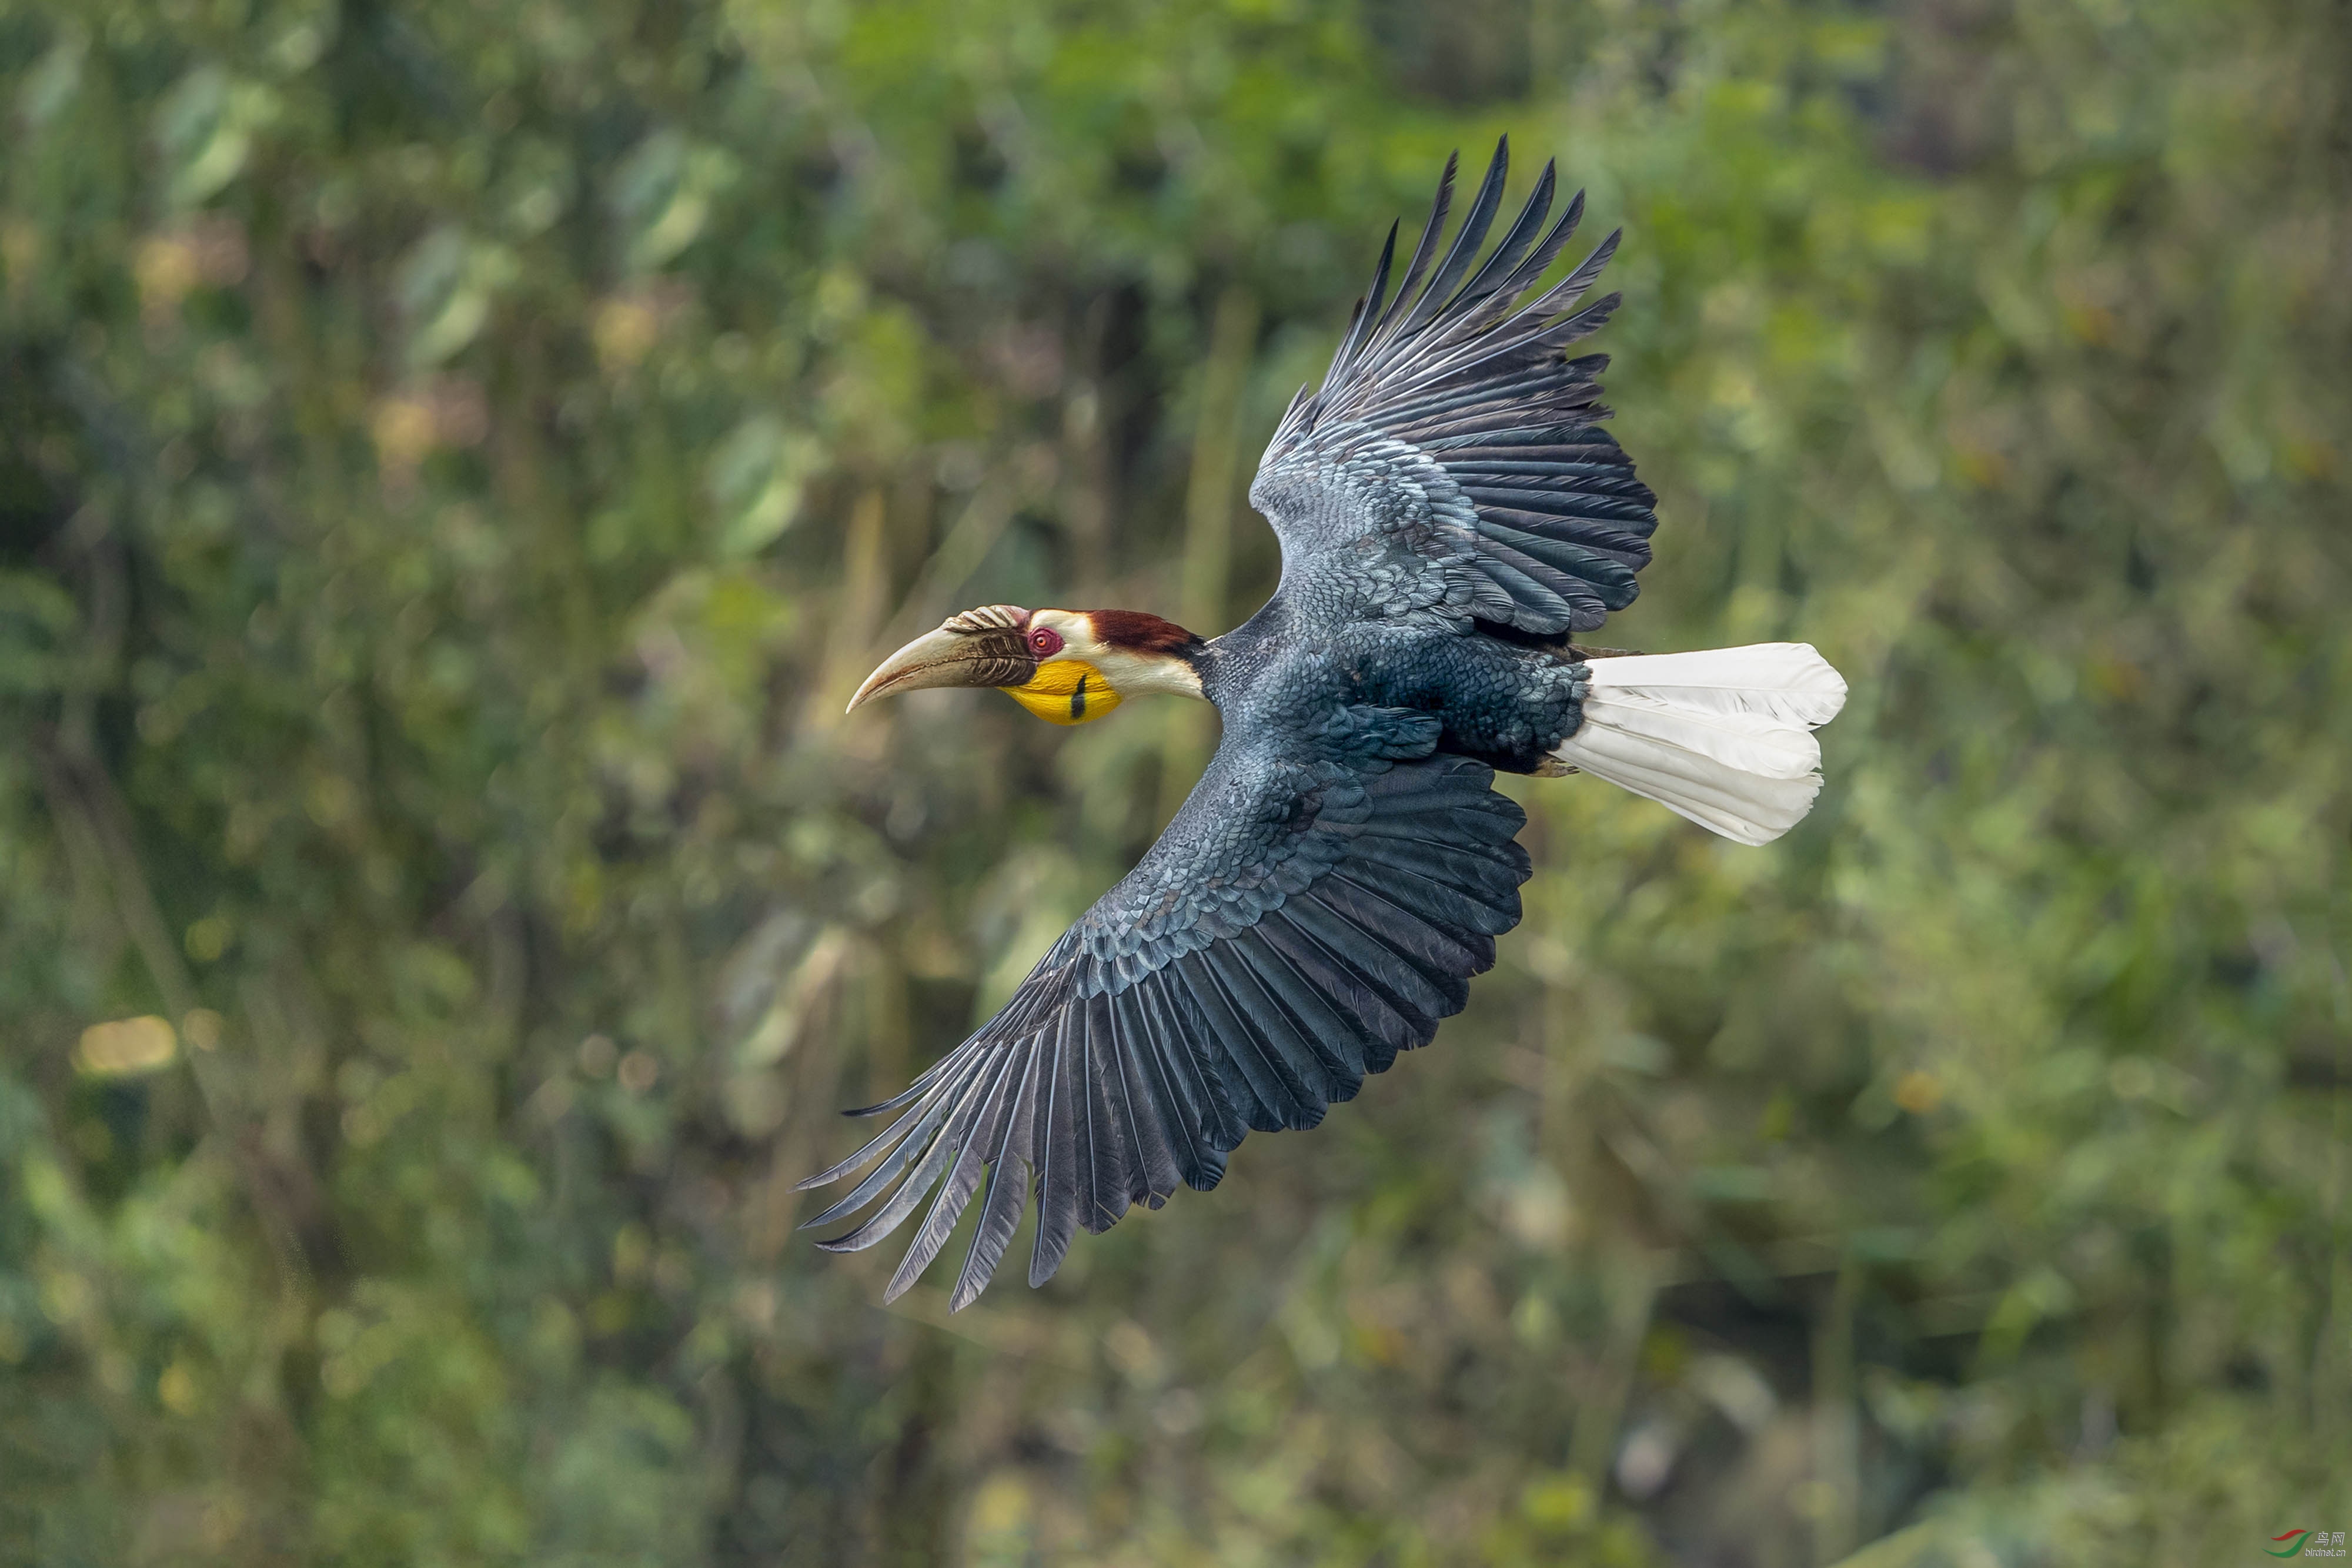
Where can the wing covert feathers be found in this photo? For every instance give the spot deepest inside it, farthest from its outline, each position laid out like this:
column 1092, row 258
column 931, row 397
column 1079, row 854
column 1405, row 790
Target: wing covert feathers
column 1466, row 395
column 1124, row 1079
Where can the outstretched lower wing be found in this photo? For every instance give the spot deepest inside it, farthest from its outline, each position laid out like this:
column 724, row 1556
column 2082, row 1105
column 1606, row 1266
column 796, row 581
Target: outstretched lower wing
column 1452, row 460
column 1302, row 920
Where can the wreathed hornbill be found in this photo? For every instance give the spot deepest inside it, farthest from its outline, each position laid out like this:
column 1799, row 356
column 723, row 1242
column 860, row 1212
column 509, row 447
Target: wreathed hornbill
column 1452, row 516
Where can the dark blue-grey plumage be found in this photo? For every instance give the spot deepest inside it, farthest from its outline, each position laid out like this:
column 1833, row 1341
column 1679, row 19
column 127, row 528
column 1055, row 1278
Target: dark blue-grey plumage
column 1315, row 906
column 1458, row 426
column 1450, row 513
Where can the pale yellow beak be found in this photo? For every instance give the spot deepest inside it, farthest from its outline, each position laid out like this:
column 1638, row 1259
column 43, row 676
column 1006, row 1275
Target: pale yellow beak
column 953, row 656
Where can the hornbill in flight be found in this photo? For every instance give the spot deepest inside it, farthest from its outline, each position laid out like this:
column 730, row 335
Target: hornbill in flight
column 1452, row 517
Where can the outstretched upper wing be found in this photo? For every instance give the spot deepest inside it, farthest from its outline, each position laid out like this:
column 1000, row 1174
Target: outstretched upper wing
column 1452, row 460
column 1316, row 905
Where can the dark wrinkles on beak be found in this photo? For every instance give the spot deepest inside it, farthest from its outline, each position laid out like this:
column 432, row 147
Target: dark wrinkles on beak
column 992, row 656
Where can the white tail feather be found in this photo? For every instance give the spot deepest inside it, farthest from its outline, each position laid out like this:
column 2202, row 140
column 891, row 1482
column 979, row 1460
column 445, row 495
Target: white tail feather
column 1723, row 738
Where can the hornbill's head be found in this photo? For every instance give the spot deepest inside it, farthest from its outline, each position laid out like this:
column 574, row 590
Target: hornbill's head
column 1065, row 665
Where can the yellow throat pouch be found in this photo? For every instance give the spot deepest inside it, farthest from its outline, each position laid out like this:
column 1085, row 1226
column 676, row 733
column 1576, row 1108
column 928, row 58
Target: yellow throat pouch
column 1067, row 691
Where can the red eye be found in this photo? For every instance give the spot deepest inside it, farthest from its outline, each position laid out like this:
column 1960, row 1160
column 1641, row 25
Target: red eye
column 1045, row 642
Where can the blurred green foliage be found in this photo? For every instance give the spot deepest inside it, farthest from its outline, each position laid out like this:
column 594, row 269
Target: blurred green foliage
column 457, row 457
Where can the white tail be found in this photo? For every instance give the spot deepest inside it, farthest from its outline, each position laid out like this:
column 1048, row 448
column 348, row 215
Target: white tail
column 1723, row 738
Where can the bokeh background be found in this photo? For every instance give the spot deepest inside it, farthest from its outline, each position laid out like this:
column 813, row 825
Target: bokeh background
column 457, row 455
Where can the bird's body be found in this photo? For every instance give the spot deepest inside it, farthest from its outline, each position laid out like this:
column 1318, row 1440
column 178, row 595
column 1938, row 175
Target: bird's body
column 1505, row 705
column 1451, row 515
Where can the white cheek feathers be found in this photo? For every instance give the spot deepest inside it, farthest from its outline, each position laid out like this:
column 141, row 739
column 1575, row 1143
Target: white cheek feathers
column 1138, row 674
